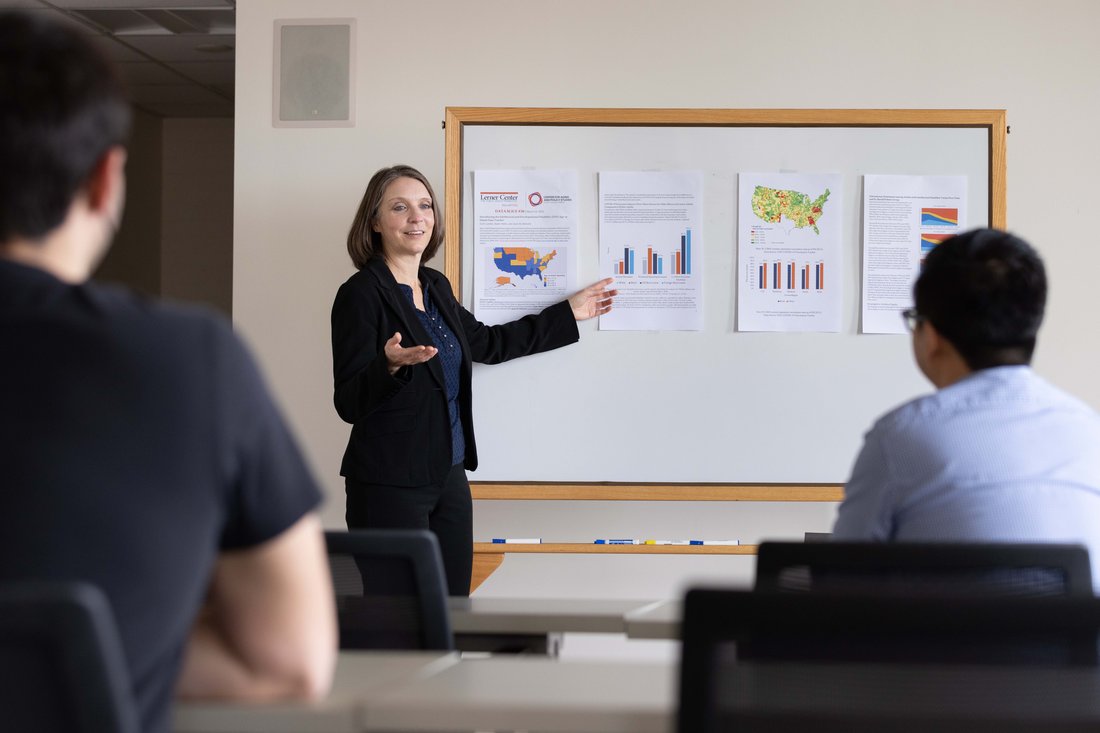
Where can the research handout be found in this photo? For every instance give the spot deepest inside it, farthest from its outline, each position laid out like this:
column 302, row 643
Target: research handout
column 525, row 237
column 651, row 242
column 904, row 218
column 789, row 251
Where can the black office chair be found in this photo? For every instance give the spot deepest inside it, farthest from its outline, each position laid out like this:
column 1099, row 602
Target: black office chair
column 737, row 644
column 910, row 568
column 61, row 662
column 390, row 589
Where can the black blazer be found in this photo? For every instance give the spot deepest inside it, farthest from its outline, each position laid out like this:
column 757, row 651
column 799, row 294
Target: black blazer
column 401, row 434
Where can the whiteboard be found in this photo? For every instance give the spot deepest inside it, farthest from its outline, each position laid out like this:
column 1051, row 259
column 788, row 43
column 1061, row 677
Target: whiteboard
column 715, row 406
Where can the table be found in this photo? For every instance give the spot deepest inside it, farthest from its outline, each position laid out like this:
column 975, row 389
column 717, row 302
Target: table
column 530, row 624
column 540, row 615
column 488, row 556
column 533, row 694
column 657, row 620
column 431, row 691
column 358, row 675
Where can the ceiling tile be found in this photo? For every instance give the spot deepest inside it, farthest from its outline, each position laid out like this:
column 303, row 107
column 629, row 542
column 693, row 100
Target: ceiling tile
column 180, row 109
column 38, row 10
column 204, row 20
column 120, row 22
column 184, row 93
column 189, row 47
column 155, row 59
column 85, row 4
column 116, row 50
column 208, row 72
column 147, row 72
column 154, row 22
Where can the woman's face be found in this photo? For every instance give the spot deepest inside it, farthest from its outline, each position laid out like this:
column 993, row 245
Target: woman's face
column 405, row 218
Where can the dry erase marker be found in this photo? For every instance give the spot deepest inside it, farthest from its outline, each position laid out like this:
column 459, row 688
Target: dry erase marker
column 617, row 542
column 668, row 542
column 517, row 541
column 716, row 542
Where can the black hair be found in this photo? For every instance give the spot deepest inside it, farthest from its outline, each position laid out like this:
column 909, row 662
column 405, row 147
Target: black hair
column 984, row 291
column 62, row 107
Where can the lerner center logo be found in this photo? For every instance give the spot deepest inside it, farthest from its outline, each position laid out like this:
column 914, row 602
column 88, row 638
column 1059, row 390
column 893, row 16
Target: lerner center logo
column 501, row 196
column 534, row 199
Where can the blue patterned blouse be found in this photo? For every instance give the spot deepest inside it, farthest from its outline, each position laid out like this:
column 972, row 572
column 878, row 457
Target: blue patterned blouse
column 450, row 358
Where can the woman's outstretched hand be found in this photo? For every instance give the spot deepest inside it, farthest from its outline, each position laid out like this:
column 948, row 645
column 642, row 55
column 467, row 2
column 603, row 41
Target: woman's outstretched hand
column 595, row 300
column 398, row 357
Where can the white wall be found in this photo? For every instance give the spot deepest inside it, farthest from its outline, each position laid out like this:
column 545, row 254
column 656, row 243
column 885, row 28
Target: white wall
column 296, row 189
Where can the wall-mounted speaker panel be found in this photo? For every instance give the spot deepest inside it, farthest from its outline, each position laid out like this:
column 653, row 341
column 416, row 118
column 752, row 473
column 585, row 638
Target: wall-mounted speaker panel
column 314, row 83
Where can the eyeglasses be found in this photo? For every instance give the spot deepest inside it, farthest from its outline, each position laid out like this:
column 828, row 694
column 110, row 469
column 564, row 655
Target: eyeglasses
column 912, row 318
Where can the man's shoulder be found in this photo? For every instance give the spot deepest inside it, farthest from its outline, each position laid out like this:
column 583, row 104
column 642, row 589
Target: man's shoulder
column 990, row 396
column 911, row 415
column 164, row 322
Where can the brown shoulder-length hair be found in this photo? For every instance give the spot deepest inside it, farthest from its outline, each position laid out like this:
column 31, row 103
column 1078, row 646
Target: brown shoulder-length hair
column 363, row 242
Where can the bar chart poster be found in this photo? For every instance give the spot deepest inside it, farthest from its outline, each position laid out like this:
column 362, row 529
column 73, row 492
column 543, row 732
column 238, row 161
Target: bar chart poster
column 789, row 251
column 651, row 243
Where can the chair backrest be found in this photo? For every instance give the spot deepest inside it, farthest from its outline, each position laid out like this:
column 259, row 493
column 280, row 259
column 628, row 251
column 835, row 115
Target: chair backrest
column 910, row 568
column 727, row 629
column 390, row 589
column 61, row 662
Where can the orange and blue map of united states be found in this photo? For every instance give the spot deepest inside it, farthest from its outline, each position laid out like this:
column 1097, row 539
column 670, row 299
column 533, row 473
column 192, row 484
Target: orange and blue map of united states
column 522, row 261
column 939, row 217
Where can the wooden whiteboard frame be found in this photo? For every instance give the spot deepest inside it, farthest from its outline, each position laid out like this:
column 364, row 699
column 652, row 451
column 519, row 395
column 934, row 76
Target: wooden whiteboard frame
column 457, row 118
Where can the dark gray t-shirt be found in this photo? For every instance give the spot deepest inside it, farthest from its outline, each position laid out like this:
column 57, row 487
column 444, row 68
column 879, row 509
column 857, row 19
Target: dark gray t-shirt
column 137, row 441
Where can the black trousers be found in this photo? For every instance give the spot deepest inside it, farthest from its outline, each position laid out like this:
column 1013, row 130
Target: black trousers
column 446, row 509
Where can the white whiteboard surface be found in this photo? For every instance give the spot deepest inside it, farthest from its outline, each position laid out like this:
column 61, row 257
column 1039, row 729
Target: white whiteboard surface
column 718, row 405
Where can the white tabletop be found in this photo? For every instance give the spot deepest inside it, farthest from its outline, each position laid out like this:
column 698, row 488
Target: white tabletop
column 658, row 620
column 539, row 616
column 358, row 674
column 432, row 691
column 532, row 694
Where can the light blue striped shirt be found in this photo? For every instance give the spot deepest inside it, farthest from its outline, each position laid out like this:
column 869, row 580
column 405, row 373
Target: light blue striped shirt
column 998, row 456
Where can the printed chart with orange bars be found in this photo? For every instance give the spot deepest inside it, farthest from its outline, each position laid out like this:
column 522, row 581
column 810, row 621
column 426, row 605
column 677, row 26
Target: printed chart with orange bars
column 791, row 276
column 651, row 243
column 788, row 249
column 674, row 262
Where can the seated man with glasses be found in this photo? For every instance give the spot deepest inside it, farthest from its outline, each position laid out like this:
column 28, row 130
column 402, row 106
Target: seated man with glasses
column 996, row 453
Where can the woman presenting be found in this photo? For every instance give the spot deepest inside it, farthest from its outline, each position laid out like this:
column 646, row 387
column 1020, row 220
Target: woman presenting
column 402, row 349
